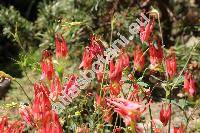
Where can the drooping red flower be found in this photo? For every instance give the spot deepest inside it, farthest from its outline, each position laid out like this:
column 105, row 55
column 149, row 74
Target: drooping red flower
column 171, row 64
column 16, row 127
column 47, row 54
column 3, row 123
column 139, row 60
column 40, row 115
column 56, row 88
column 90, row 52
column 68, row 87
column 179, row 129
column 128, row 110
column 100, row 72
column 99, row 76
column 10, row 127
column 165, row 115
column 145, row 32
column 50, row 123
column 41, row 87
column 98, row 100
column 156, row 53
column 189, row 84
column 47, row 68
column 124, row 57
column 61, row 47
column 115, row 73
column 41, row 105
column 26, row 114
column 87, row 59
column 95, row 46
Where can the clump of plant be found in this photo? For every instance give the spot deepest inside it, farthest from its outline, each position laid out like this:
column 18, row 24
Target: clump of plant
column 120, row 95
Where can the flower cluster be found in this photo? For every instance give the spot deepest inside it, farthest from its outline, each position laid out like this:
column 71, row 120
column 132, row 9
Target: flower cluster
column 10, row 127
column 114, row 69
column 40, row 114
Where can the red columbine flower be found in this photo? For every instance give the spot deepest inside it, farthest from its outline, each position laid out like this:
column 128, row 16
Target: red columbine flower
column 41, row 87
column 95, row 46
column 50, row 123
column 189, row 84
column 68, row 87
column 3, row 123
column 145, row 32
column 99, row 100
column 139, row 60
column 156, row 53
column 115, row 73
column 128, row 110
column 171, row 65
column 99, row 76
column 99, row 71
column 47, row 54
column 56, row 88
column 26, row 114
column 41, row 105
column 87, row 59
column 165, row 115
column 47, row 69
column 16, row 127
column 61, row 47
column 179, row 129
column 47, row 65
column 41, row 115
column 124, row 57
column 10, row 127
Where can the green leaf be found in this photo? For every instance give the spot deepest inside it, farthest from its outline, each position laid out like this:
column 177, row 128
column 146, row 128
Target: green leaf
column 128, row 81
column 59, row 69
column 182, row 103
column 180, row 80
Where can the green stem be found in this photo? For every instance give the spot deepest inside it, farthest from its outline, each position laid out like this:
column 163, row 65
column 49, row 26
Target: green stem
column 169, row 127
column 133, row 126
column 27, row 76
column 189, row 117
column 151, row 118
column 23, row 91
